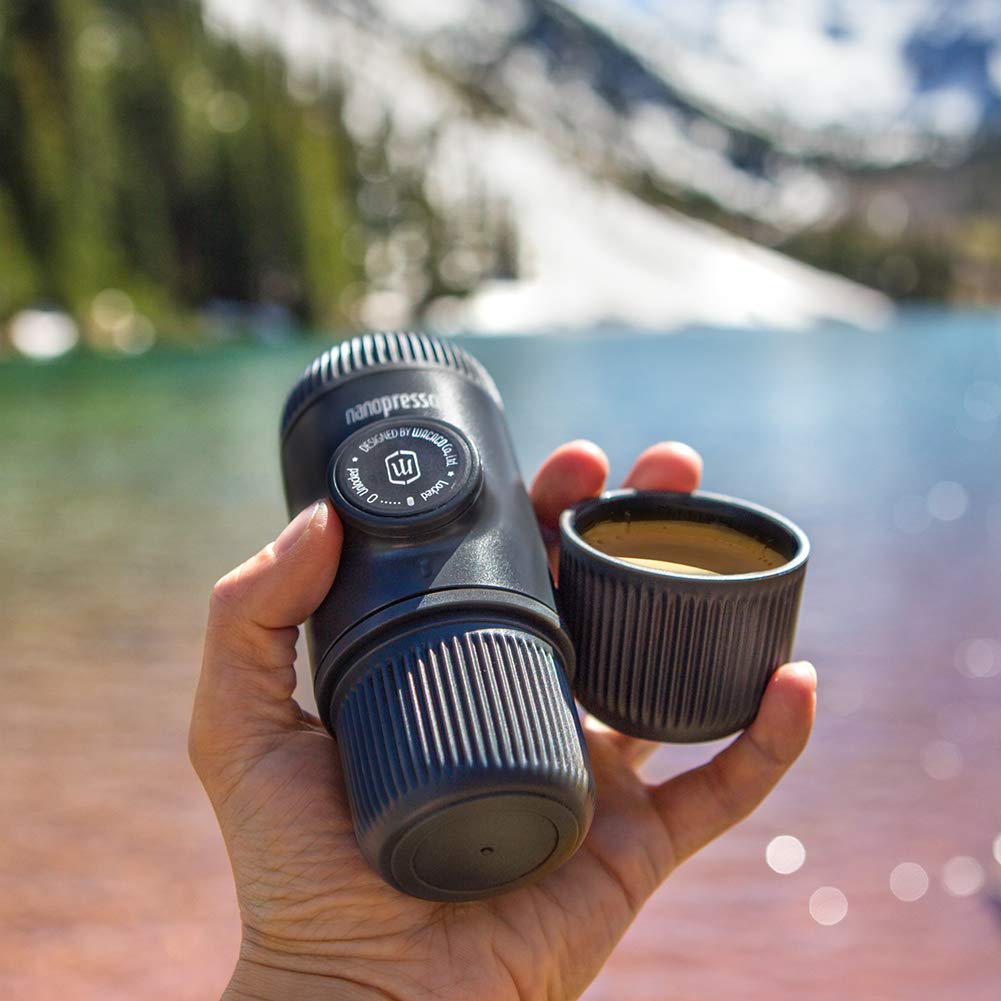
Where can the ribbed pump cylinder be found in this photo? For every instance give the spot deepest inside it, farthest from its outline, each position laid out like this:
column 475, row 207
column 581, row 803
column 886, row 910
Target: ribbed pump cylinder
column 464, row 761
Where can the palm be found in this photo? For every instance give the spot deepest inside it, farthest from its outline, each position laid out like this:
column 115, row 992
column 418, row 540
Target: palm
column 294, row 826
column 311, row 904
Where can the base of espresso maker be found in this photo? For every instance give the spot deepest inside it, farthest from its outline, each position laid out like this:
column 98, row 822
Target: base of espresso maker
column 483, row 846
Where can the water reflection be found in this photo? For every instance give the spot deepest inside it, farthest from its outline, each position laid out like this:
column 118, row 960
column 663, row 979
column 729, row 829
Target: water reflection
column 128, row 485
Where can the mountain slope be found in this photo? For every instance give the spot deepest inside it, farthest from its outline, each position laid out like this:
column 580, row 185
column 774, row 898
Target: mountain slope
column 525, row 113
column 899, row 74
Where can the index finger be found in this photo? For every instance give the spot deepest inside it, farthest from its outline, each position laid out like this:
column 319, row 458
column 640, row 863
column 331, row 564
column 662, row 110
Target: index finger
column 668, row 465
column 573, row 472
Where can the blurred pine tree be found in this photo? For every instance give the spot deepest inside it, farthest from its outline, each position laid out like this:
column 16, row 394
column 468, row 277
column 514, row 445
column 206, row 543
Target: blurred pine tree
column 142, row 153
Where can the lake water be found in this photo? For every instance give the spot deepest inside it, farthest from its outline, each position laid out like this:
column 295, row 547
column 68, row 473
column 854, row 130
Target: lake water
column 128, row 486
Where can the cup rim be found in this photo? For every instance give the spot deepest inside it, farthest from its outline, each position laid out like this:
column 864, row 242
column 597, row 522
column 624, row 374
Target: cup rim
column 698, row 500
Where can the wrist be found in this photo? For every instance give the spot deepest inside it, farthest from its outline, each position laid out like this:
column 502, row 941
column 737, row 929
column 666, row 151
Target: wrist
column 254, row 981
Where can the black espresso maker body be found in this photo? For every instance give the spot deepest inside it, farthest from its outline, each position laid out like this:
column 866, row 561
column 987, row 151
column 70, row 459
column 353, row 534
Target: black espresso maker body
column 439, row 662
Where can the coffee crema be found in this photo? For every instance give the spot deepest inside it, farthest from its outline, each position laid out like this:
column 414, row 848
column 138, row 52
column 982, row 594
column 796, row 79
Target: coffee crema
column 686, row 547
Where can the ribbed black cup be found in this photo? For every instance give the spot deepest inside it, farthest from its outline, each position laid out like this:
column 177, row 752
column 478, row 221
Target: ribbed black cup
column 463, row 760
column 668, row 656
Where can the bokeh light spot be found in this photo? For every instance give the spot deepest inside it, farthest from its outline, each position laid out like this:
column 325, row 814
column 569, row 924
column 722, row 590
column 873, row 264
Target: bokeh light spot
column 908, row 882
column 941, row 759
column 947, row 501
column 785, row 854
column 110, row 307
column 227, row 111
column 828, row 905
column 134, row 335
column 963, row 876
column 982, row 401
column 979, row 658
column 43, row 333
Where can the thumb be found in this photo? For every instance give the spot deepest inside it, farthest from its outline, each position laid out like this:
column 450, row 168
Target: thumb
column 248, row 673
column 286, row 581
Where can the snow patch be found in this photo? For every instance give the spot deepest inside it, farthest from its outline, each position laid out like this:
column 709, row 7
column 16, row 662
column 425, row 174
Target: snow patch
column 594, row 255
column 589, row 253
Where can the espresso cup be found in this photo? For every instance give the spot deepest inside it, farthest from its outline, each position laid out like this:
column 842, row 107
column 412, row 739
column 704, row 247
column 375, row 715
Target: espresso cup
column 680, row 608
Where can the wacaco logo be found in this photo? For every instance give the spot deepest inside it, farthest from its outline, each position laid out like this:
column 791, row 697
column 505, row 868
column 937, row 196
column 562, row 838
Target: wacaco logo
column 382, row 406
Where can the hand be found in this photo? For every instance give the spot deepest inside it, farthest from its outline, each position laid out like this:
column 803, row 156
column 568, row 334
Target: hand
column 317, row 922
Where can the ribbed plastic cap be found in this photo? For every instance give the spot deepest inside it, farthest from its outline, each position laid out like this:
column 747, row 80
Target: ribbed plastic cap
column 464, row 762
column 671, row 657
column 379, row 350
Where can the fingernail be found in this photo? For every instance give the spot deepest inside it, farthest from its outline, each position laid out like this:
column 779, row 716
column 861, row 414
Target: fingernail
column 296, row 528
column 806, row 670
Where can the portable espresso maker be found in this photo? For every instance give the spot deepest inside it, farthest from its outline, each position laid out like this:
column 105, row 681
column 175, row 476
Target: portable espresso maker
column 441, row 663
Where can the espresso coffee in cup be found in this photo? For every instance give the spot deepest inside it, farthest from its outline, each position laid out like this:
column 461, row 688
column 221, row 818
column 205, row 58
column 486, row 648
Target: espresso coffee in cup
column 683, row 547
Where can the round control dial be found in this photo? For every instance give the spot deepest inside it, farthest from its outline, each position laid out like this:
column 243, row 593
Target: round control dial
column 405, row 469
